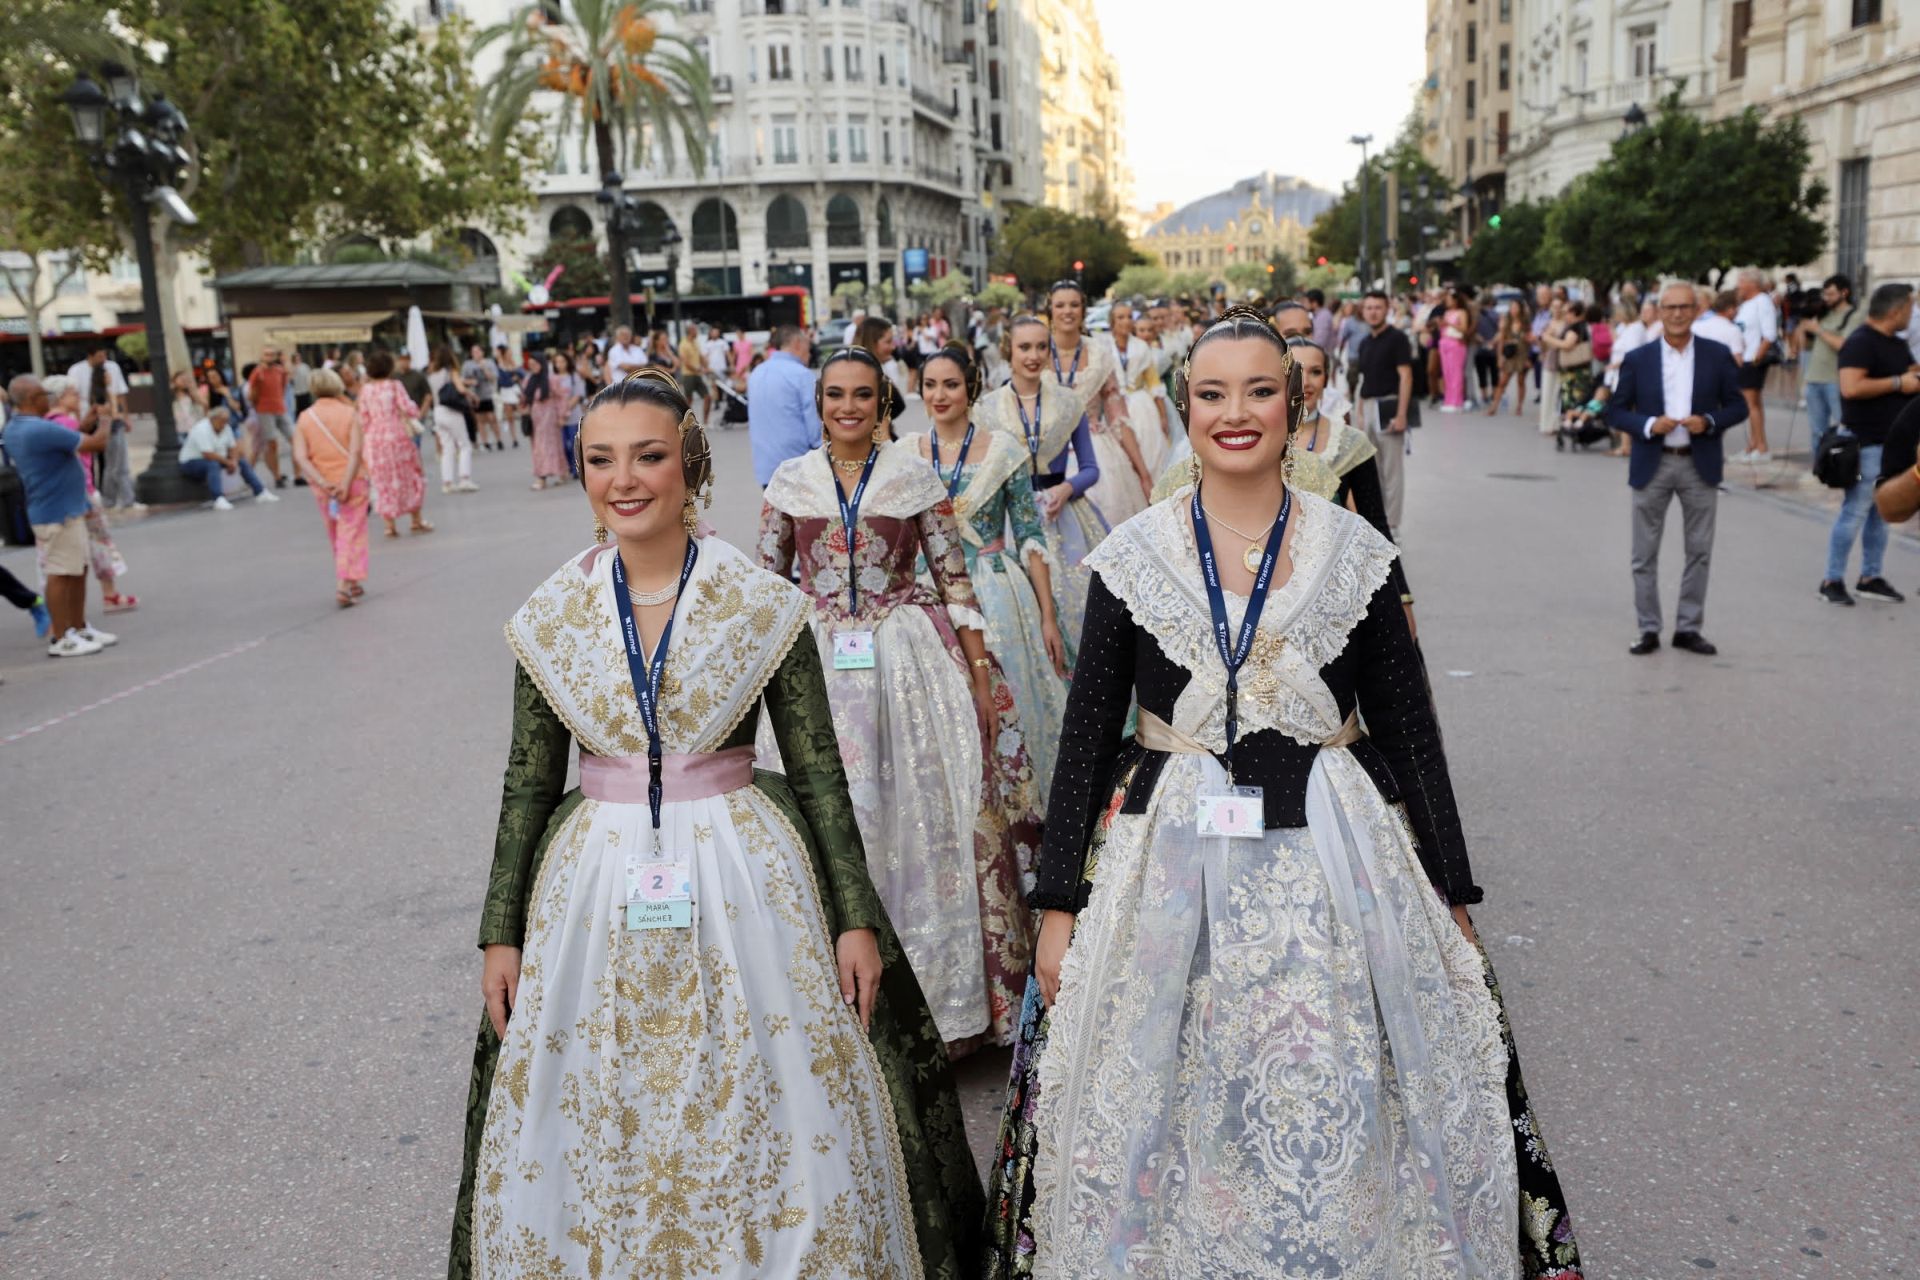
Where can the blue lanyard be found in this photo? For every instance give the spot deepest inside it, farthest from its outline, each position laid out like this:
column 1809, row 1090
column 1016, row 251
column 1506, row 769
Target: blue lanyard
column 1030, row 428
column 1078, row 352
column 646, row 679
column 953, row 482
column 1234, row 652
column 849, row 517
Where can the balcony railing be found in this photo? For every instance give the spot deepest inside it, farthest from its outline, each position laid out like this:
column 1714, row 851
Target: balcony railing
column 956, row 55
column 935, row 105
column 934, row 173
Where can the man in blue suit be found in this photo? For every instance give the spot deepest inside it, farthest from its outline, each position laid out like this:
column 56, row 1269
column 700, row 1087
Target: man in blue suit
column 1675, row 399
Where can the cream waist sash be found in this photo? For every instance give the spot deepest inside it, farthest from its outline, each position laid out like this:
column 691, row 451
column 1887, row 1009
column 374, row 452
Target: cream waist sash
column 623, row 779
column 1156, row 734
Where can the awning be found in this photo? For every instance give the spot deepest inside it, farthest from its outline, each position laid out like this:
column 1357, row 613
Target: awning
column 321, row 328
column 520, row 324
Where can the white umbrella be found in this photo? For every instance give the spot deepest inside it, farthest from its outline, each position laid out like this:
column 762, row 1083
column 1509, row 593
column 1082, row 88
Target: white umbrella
column 417, row 338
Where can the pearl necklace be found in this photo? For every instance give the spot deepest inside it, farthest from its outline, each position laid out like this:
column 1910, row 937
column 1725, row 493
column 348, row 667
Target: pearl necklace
column 647, row 599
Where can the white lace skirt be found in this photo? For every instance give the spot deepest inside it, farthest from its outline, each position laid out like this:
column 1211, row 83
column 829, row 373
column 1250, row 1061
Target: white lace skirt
column 682, row 1102
column 1272, row 1058
column 1143, row 414
column 1117, row 492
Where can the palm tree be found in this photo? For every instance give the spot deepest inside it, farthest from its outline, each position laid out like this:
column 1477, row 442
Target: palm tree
column 613, row 68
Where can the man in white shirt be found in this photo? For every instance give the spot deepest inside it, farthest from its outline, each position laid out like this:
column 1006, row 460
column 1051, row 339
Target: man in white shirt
column 718, row 353
column 1675, row 399
column 1716, row 320
column 207, row 454
column 1758, row 321
column 623, row 357
column 853, row 328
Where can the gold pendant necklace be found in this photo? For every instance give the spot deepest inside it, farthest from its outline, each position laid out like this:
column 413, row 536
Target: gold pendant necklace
column 1256, row 544
column 850, row 467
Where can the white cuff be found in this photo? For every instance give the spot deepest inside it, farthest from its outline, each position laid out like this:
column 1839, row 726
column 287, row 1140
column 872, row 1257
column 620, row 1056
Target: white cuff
column 1037, row 545
column 962, row 616
column 1648, row 429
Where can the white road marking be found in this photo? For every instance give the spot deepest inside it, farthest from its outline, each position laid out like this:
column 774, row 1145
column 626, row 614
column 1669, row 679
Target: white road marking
column 129, row 692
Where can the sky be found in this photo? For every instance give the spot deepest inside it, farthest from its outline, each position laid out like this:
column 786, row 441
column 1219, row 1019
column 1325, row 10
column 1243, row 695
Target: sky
column 1210, row 83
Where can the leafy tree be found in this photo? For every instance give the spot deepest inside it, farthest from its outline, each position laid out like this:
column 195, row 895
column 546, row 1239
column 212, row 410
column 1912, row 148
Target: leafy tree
column 308, row 122
column 1040, row 245
column 934, row 294
column 1328, row 279
column 1141, row 280
column 1188, row 284
column 1659, row 203
column 584, row 271
column 1247, row 277
column 24, row 282
column 613, row 69
column 1509, row 253
column 1000, row 294
column 1283, row 280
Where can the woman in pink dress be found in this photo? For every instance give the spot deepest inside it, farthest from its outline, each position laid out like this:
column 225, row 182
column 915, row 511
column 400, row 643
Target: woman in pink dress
column 550, row 398
column 1455, row 324
column 392, row 459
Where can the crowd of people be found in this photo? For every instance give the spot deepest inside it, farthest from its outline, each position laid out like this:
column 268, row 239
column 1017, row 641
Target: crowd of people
column 978, row 745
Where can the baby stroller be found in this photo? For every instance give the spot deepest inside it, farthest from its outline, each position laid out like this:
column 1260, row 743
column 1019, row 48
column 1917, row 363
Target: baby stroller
column 733, row 408
column 1582, row 427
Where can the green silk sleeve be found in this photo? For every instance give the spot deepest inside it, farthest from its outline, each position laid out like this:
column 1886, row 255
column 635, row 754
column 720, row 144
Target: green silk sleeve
column 536, row 778
column 803, row 725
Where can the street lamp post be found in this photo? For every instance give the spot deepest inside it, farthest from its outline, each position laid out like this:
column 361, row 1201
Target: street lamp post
column 613, row 197
column 1360, row 268
column 145, row 155
column 670, row 241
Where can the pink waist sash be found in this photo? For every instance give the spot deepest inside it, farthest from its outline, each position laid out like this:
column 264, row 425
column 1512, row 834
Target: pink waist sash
column 623, row 779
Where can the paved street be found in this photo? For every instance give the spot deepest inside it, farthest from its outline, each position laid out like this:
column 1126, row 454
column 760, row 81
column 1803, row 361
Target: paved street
column 245, row 852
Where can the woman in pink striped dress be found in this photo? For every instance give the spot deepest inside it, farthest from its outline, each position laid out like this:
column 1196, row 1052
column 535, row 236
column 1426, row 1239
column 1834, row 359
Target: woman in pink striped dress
column 392, row 458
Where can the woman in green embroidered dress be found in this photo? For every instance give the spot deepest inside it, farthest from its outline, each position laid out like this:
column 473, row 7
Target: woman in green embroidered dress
column 740, row 1078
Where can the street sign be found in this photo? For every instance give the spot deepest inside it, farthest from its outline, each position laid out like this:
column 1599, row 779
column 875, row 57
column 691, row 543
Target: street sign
column 915, row 262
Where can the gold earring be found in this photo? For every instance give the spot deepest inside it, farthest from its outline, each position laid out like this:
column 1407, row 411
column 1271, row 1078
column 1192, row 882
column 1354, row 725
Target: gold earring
column 1286, row 466
column 599, row 529
column 689, row 517
column 881, row 432
column 1193, row 468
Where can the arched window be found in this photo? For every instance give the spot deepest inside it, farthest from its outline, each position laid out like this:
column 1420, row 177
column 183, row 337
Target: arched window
column 787, row 224
column 653, row 225
column 883, row 222
column 843, row 223
column 475, row 244
column 715, row 228
column 570, row 222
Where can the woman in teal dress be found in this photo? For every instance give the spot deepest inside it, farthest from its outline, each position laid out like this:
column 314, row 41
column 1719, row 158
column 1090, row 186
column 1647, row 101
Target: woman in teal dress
column 704, row 1054
column 990, row 482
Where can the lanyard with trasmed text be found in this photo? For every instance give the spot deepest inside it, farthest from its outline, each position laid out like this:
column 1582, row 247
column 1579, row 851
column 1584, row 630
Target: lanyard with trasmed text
column 952, row 482
column 849, row 516
column 1233, row 652
column 647, row 676
column 1030, row 427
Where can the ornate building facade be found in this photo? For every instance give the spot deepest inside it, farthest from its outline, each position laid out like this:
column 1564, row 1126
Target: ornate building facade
column 1251, row 221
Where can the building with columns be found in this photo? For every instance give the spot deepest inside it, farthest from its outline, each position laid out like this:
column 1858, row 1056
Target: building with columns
column 851, row 140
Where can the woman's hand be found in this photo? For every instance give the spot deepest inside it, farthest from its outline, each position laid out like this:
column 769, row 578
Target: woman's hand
column 1054, row 499
column 1056, row 930
column 983, row 703
column 500, row 984
column 1465, row 921
column 1055, row 644
column 1412, row 631
column 858, row 952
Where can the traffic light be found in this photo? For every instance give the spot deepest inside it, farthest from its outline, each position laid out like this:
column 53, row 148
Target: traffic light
column 1269, row 268
column 1413, row 279
column 1078, row 265
column 1494, row 222
column 1322, row 260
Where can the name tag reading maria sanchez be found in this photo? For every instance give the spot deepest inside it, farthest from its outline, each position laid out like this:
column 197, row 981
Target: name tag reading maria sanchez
column 1234, row 814
column 659, row 894
column 853, row 651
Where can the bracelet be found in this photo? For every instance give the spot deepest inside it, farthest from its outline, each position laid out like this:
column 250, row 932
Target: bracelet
column 983, row 662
